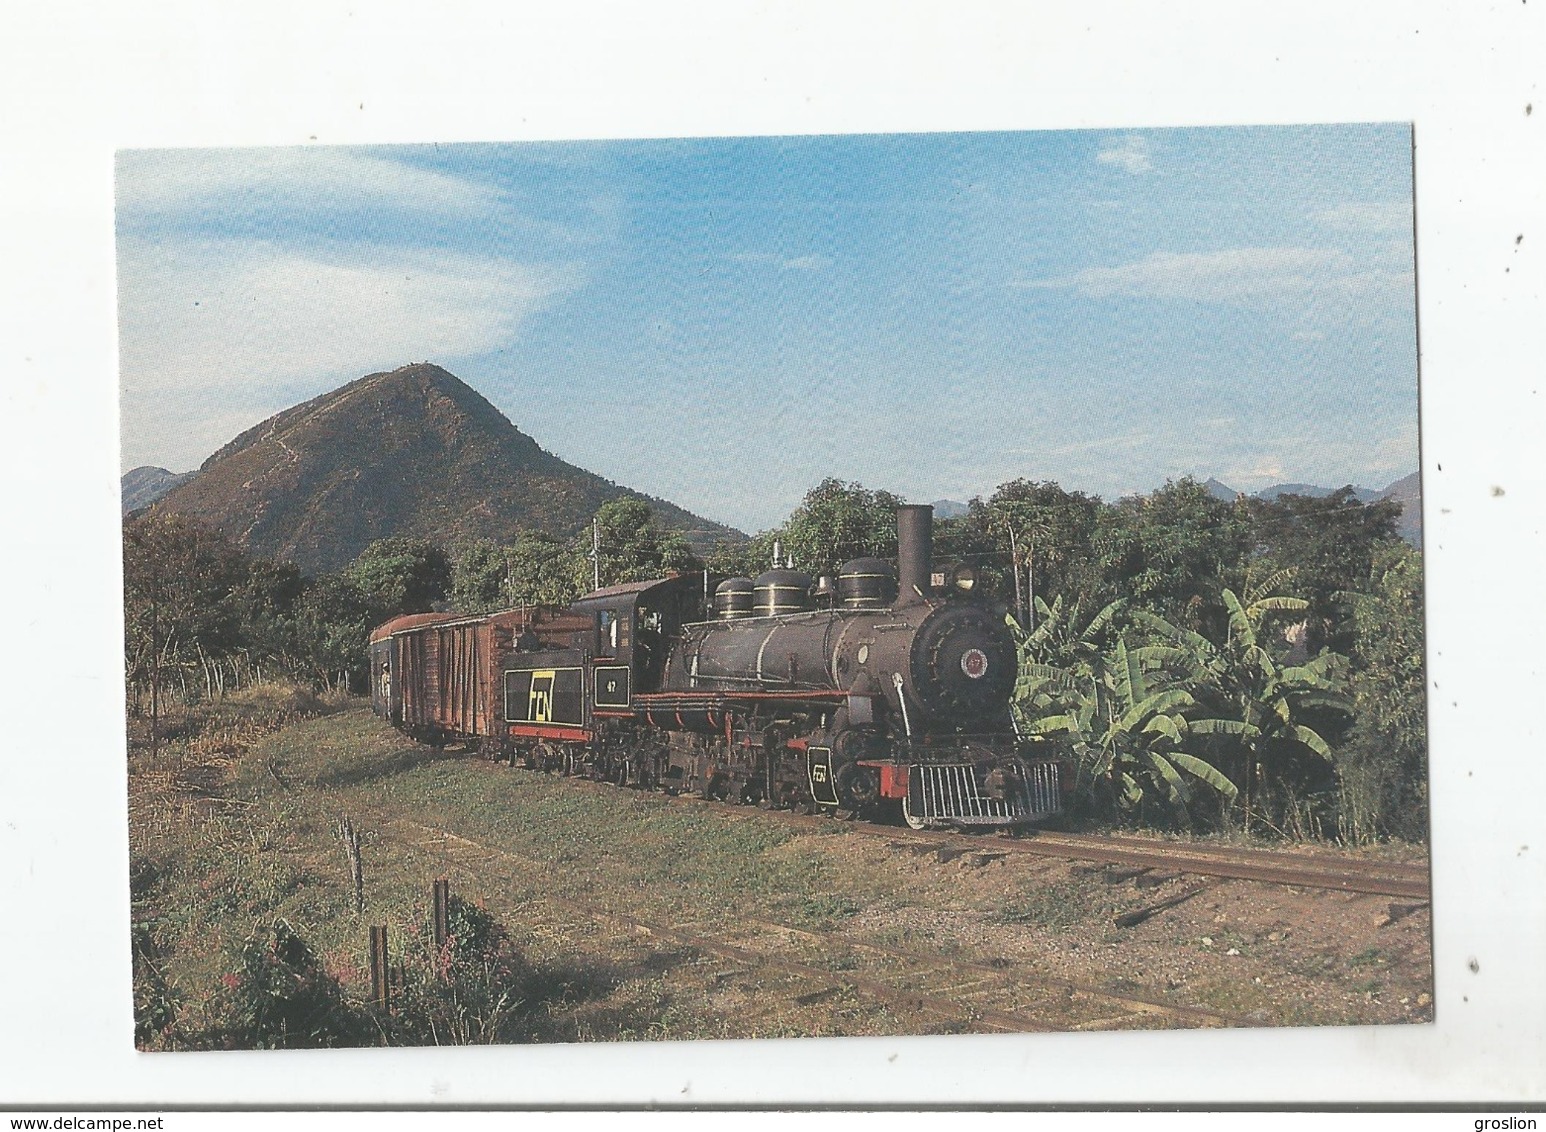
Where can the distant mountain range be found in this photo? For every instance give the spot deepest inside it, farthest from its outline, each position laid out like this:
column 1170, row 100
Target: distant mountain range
column 1406, row 491
column 418, row 452
column 412, row 452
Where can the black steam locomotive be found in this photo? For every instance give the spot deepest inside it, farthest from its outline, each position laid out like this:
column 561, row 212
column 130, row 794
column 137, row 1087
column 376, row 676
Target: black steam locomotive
column 850, row 694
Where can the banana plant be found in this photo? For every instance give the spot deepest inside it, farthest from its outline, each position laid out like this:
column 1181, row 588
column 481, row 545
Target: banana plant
column 1257, row 706
column 1053, row 655
column 1116, row 708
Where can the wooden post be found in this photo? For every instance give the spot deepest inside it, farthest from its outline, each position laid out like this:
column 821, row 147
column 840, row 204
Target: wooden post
column 351, row 840
column 441, row 898
column 380, row 973
column 1030, row 583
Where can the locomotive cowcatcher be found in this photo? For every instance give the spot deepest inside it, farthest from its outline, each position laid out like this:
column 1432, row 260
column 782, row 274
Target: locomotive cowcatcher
column 853, row 694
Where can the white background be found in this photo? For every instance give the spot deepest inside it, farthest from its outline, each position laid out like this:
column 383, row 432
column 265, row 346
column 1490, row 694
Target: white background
column 78, row 81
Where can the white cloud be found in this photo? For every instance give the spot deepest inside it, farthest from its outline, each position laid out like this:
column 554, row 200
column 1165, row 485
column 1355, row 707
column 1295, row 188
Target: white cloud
column 217, row 335
column 1369, row 216
column 235, row 324
column 304, row 194
column 228, row 312
column 1261, row 473
column 784, row 263
column 1233, row 275
column 1130, row 153
column 161, row 182
column 807, row 263
column 1328, row 457
column 1129, row 440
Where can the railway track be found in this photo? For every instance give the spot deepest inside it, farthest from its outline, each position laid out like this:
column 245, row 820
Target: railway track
column 1378, row 878
column 785, row 962
column 1299, row 870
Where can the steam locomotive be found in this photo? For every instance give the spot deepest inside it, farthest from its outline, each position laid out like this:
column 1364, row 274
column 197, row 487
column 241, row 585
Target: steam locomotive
column 875, row 690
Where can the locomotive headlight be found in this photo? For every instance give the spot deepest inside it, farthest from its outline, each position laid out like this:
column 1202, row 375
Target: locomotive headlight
column 964, row 578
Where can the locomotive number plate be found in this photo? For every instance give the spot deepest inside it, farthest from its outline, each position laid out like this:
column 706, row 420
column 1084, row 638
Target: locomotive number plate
column 974, row 662
column 612, row 686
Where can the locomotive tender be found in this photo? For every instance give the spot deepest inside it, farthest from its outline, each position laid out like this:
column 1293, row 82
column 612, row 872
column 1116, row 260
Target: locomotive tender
column 897, row 690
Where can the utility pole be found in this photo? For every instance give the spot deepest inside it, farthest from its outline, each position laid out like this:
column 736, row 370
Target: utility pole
column 155, row 665
column 1030, row 583
column 595, row 553
column 1014, row 568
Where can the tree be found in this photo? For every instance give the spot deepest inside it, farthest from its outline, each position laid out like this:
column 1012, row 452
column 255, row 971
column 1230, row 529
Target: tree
column 401, row 575
column 1133, row 731
column 1172, row 551
column 634, row 548
column 838, row 521
column 333, row 620
column 1331, row 544
column 745, row 559
column 1383, row 767
column 181, row 581
column 1043, row 534
column 1060, row 661
column 1152, row 708
column 264, row 606
column 480, row 576
column 546, row 571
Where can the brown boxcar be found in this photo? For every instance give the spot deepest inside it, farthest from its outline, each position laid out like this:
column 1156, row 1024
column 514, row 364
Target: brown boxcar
column 438, row 676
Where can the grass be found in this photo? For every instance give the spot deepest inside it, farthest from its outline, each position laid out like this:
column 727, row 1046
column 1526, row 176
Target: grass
column 1368, row 957
column 1058, row 904
column 233, row 829
column 235, row 841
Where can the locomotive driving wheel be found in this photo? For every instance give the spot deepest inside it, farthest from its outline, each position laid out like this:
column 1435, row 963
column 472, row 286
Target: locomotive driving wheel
column 858, row 787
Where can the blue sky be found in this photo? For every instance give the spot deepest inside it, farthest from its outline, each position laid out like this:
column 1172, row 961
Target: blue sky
column 727, row 322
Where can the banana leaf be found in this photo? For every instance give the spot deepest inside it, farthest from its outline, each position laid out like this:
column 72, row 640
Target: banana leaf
column 1312, row 740
column 1174, row 786
column 1222, row 727
column 1205, row 771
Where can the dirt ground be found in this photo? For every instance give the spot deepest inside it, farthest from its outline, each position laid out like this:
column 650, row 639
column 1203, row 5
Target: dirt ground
column 605, row 891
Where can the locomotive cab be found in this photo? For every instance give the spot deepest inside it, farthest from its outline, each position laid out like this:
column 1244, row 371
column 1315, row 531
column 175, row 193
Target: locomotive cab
column 633, row 625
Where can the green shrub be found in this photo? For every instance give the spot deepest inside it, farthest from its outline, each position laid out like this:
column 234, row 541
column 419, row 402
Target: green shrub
column 156, row 1002
column 281, row 998
column 1383, row 767
column 466, row 991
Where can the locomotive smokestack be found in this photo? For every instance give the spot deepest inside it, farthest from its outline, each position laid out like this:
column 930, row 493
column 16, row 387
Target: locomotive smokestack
column 914, row 551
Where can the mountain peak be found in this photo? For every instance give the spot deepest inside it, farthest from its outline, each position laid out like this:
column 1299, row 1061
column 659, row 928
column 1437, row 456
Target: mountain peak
column 1220, row 491
column 412, row 451
column 142, row 486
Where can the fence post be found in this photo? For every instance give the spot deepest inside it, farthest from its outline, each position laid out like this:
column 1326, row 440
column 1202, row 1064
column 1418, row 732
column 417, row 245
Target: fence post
column 441, row 897
column 351, row 840
column 380, row 974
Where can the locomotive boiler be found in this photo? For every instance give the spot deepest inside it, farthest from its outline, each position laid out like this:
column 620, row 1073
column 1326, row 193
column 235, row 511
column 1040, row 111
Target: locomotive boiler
column 875, row 690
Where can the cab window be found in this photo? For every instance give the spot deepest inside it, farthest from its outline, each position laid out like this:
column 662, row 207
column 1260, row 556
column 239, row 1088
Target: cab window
column 606, row 632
